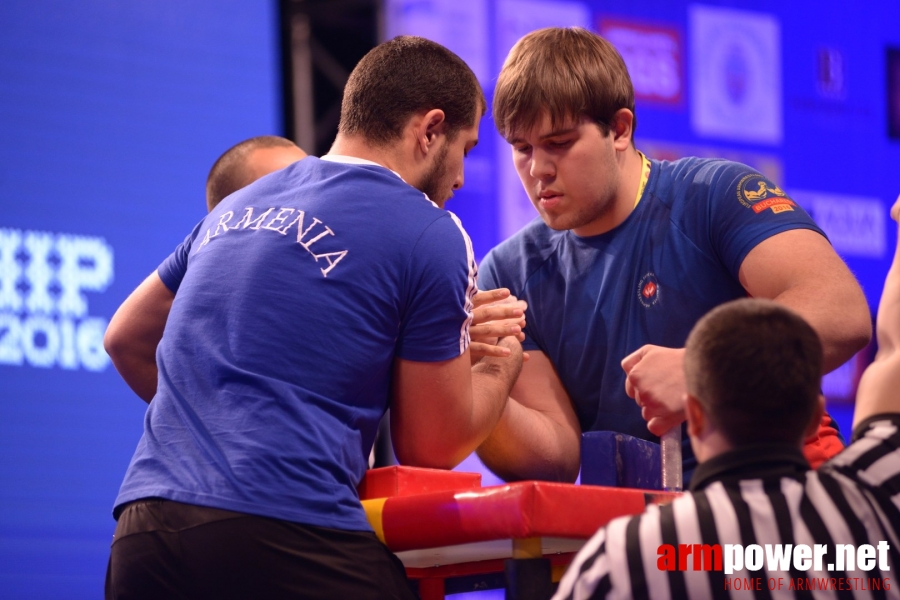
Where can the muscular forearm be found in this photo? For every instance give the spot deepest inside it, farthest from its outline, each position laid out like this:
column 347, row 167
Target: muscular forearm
column 887, row 329
column 877, row 392
column 139, row 372
column 492, row 379
column 441, row 412
column 527, row 444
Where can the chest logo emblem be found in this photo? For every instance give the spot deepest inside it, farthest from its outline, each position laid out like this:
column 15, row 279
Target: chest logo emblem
column 648, row 290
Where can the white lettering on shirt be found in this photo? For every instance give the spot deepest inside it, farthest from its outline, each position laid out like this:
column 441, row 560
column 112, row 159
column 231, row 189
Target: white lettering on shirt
column 306, row 237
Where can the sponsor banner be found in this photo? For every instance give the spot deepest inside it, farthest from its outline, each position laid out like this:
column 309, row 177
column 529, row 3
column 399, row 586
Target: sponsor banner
column 515, row 18
column 855, row 225
column 893, row 92
column 44, row 317
column 736, row 74
column 831, row 79
column 460, row 26
column 653, row 55
column 767, row 164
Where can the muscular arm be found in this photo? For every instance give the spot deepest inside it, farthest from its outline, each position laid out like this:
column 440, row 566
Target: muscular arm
column 879, row 388
column 442, row 411
column 538, row 436
column 801, row 270
column 797, row 268
column 134, row 333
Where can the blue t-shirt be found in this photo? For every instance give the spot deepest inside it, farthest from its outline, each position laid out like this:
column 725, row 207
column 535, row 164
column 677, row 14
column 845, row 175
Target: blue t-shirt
column 594, row 300
column 294, row 296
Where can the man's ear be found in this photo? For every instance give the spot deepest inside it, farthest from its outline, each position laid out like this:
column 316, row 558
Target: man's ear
column 696, row 418
column 429, row 128
column 622, row 127
column 813, row 426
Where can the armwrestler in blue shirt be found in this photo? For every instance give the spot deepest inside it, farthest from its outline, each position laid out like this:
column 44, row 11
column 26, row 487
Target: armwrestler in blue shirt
column 627, row 254
column 307, row 303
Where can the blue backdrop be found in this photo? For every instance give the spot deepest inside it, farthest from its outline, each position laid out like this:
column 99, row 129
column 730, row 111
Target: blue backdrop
column 111, row 114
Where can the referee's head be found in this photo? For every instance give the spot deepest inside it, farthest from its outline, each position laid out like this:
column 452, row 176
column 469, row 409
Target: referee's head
column 754, row 372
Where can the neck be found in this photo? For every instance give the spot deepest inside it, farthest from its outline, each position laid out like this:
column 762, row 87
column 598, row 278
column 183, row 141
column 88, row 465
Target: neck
column 630, row 164
column 710, row 445
column 358, row 147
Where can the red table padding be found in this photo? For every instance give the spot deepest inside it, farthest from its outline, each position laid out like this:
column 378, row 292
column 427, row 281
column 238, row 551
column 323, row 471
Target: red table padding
column 515, row 511
column 387, row 482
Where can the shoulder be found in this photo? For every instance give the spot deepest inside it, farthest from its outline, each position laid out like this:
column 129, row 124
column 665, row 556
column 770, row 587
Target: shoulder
column 443, row 226
column 514, row 260
column 370, row 190
column 343, row 177
column 692, row 176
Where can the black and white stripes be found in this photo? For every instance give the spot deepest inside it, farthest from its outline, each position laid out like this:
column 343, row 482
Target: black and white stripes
column 852, row 500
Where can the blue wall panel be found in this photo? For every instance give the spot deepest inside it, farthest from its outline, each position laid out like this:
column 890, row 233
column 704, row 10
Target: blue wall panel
column 111, row 114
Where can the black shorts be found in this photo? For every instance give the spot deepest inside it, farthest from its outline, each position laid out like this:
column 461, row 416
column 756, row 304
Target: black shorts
column 165, row 549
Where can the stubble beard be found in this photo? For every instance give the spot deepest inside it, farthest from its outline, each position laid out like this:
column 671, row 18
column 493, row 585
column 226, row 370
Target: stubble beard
column 432, row 181
column 596, row 203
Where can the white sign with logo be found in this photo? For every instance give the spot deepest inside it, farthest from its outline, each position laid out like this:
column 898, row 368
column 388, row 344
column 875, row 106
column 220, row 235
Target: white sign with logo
column 653, row 58
column 735, row 74
column 854, row 224
column 460, row 26
column 44, row 320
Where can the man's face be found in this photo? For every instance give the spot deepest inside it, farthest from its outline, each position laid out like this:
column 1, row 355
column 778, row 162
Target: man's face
column 445, row 175
column 569, row 172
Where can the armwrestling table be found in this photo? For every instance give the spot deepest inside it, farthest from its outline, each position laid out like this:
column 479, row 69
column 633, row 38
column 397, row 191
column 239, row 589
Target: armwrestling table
column 446, row 528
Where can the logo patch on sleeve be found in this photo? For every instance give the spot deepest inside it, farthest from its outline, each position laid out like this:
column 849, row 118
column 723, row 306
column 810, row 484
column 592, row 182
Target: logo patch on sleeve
column 758, row 193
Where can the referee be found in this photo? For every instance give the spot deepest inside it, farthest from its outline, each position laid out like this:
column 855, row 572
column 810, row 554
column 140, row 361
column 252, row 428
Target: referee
column 753, row 370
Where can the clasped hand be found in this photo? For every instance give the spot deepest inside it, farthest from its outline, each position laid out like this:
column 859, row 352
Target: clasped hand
column 655, row 379
column 497, row 314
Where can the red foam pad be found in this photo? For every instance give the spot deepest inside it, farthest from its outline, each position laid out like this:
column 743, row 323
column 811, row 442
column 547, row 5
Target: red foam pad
column 514, row 511
column 477, row 568
column 388, row 482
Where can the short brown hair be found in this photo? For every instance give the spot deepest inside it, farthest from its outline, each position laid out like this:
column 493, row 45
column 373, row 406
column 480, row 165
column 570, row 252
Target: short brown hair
column 228, row 174
column 569, row 72
column 756, row 368
column 405, row 76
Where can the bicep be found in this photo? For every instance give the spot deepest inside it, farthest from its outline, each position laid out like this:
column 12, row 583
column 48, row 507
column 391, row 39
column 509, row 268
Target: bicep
column 792, row 258
column 140, row 320
column 800, row 269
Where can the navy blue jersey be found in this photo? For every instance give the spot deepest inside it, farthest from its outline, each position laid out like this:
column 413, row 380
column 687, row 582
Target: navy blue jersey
column 294, row 296
column 594, row 300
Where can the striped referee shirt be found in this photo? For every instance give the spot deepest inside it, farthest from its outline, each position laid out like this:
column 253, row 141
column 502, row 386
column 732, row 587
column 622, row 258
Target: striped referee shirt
column 764, row 496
